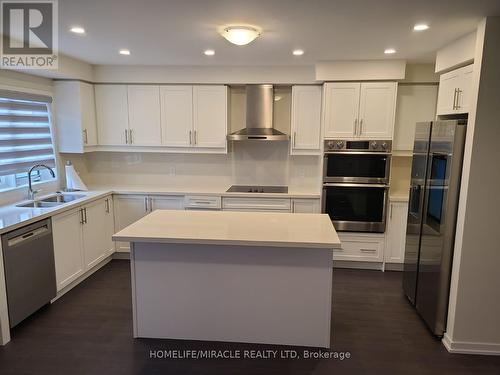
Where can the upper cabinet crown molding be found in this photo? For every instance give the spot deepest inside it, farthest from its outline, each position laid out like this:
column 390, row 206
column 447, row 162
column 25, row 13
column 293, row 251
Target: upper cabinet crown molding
column 356, row 110
column 306, row 120
column 75, row 116
column 454, row 91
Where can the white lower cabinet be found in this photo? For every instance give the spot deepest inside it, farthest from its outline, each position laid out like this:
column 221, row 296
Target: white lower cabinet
column 308, row 206
column 363, row 247
column 130, row 208
column 82, row 239
column 395, row 235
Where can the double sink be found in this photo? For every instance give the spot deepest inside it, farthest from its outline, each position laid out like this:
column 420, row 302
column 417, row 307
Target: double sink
column 52, row 200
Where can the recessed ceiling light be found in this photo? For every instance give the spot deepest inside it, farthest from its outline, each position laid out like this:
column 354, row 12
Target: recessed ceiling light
column 125, row 52
column 209, row 52
column 298, row 52
column 420, row 27
column 240, row 35
column 77, row 30
column 389, row 51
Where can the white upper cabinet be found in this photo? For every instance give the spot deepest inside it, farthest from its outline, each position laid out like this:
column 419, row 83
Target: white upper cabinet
column 377, row 107
column 194, row 117
column 306, row 120
column 176, row 115
column 360, row 110
column 144, row 115
column 454, row 91
column 415, row 103
column 341, row 109
column 75, row 116
column 210, row 116
column 112, row 114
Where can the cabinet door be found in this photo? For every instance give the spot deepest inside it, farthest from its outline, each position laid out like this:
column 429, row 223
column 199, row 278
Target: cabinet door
column 341, row 109
column 176, row 115
column 448, row 84
column 306, row 120
column 87, row 100
column 128, row 209
column 307, row 206
column 396, row 232
column 96, row 240
column 144, row 115
column 68, row 114
column 465, row 87
column 112, row 114
column 210, row 116
column 166, row 203
column 415, row 103
column 68, row 247
column 377, row 105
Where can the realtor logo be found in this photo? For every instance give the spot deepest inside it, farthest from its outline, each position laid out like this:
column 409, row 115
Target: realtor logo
column 29, row 34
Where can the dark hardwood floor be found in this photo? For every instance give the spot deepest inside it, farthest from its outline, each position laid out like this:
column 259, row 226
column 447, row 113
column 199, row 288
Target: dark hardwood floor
column 88, row 331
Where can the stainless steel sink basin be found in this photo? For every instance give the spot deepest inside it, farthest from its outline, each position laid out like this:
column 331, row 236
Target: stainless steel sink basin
column 39, row 204
column 52, row 201
column 62, row 198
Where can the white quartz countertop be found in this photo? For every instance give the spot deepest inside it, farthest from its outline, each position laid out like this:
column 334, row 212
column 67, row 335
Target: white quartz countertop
column 13, row 217
column 206, row 190
column 233, row 228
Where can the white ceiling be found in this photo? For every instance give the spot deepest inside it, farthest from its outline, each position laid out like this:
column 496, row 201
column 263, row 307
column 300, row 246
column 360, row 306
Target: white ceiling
column 176, row 32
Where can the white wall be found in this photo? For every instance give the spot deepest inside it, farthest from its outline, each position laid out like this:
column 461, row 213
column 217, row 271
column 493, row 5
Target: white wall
column 459, row 53
column 365, row 70
column 205, row 74
column 474, row 309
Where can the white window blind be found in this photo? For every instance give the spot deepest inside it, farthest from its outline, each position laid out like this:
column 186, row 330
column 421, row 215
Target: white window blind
column 25, row 133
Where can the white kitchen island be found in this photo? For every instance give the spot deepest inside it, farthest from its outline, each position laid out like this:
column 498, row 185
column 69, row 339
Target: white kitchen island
column 254, row 277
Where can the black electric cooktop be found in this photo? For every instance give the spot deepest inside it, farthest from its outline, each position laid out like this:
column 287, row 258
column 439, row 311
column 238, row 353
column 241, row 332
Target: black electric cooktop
column 257, row 189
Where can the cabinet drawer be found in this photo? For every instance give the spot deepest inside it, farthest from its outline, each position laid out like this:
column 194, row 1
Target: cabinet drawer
column 202, row 201
column 360, row 247
column 256, row 203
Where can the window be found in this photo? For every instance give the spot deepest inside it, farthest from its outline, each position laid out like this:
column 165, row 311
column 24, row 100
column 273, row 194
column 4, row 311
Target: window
column 25, row 138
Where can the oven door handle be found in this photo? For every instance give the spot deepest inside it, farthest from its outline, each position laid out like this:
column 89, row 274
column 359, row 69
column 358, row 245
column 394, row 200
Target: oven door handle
column 333, row 184
column 349, row 152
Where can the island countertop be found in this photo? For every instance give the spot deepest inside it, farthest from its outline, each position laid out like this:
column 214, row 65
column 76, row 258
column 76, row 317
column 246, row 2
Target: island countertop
column 233, row 228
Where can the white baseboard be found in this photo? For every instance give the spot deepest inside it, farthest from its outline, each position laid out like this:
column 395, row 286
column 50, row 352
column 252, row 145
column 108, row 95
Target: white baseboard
column 465, row 347
column 121, row 255
column 358, row 265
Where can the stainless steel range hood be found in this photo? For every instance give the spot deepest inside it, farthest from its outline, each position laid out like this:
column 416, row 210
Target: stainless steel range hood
column 259, row 116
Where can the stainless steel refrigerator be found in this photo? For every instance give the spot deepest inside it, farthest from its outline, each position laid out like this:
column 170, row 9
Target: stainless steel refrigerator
column 432, row 215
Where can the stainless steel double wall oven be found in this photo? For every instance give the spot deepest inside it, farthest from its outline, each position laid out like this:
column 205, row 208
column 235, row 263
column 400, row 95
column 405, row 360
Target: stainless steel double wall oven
column 356, row 183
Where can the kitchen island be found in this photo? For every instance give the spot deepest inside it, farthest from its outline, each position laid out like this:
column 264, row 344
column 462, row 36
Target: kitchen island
column 254, row 277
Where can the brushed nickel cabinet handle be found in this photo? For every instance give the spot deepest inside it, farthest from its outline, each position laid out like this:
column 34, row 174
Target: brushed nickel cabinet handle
column 294, row 139
column 126, row 136
column 455, row 99
column 360, row 127
column 150, row 204
column 355, row 126
column 81, row 216
column 130, row 136
column 85, row 136
column 146, row 204
column 458, row 98
column 195, row 137
column 190, row 137
column 368, row 250
column 107, row 205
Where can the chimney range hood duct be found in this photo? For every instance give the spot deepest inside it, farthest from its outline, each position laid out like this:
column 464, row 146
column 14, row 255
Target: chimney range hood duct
column 259, row 116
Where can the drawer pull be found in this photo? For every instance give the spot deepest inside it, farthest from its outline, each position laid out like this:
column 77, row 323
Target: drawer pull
column 338, row 250
column 368, row 250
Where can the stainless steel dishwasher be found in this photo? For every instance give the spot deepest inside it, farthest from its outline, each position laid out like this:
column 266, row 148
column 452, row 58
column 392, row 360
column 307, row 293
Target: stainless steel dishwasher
column 30, row 276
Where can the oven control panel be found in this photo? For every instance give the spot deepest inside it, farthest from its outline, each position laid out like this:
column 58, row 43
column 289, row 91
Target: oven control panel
column 361, row 145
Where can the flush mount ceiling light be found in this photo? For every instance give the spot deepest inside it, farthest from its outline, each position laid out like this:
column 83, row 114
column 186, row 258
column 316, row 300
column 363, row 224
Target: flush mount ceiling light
column 209, row 52
column 298, row 52
column 420, row 27
column 240, row 35
column 77, row 30
column 390, row 51
column 125, row 52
